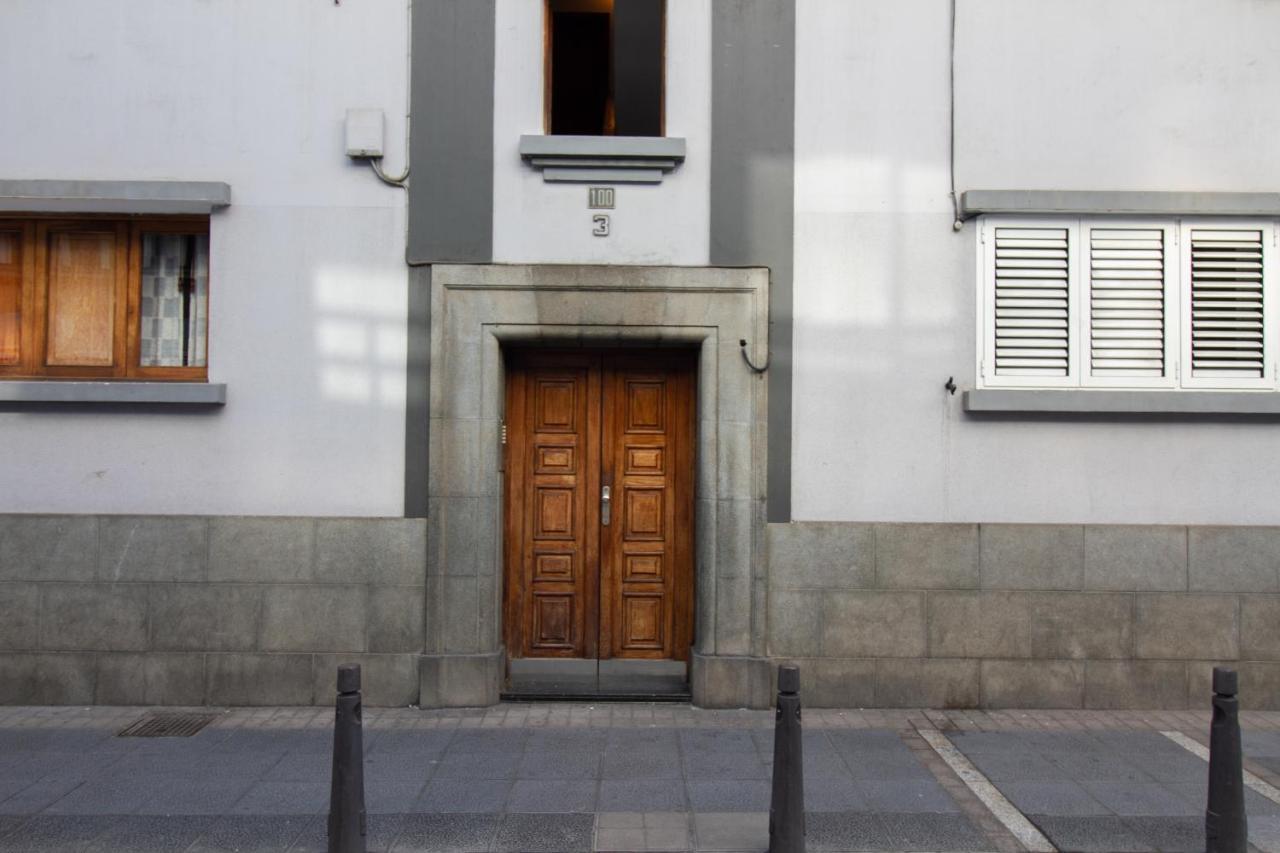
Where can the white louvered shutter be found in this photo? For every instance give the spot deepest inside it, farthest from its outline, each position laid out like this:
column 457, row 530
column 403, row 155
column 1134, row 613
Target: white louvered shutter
column 1226, row 330
column 1030, row 308
column 1130, row 304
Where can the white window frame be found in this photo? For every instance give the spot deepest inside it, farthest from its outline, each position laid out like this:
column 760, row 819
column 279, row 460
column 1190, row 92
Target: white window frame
column 1177, row 297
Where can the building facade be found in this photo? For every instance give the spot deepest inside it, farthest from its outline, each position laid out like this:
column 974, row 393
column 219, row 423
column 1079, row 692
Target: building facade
column 930, row 345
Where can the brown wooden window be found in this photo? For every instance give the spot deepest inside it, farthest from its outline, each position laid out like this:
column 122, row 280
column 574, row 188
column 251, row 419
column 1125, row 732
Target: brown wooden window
column 604, row 74
column 104, row 298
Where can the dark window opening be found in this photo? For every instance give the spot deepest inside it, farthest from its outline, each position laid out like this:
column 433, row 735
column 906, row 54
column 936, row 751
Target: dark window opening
column 605, row 67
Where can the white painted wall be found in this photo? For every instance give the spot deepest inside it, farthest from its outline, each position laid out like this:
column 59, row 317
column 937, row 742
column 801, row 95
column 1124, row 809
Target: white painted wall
column 1091, row 94
column 308, row 287
column 538, row 222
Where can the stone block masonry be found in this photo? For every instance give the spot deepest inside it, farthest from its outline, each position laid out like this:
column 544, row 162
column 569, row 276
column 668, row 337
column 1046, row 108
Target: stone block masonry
column 188, row 610
column 1024, row 616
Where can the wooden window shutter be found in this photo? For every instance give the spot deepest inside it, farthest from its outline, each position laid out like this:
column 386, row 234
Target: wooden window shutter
column 1031, row 281
column 1226, row 338
column 1130, row 307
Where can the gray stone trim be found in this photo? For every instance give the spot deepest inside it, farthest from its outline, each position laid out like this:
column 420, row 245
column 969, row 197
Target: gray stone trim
column 606, row 159
column 451, row 144
column 753, row 186
column 129, row 393
column 1076, row 202
column 1087, row 401
column 191, row 197
column 478, row 310
column 417, row 398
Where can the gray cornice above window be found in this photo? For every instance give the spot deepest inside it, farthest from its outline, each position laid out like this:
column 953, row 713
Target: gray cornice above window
column 1084, row 202
column 603, row 159
column 155, row 197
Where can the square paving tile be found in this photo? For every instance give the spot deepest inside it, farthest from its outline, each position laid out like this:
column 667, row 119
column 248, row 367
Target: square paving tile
column 283, row 798
column 559, row 765
column 1052, row 798
column 885, row 765
column 641, row 765
column 1165, row 766
column 736, row 831
column 1096, row 767
column 1096, row 834
column 667, row 831
column 99, row 796
column 464, row 795
column 477, row 766
column 421, row 833
column 728, row 796
column 1133, row 799
column 39, row 795
column 554, row 833
column 391, row 794
column 552, row 795
column 1017, row 767
column 192, row 797
column 642, row 795
column 620, row 840
column 833, row 794
column 726, row 765
column 908, row 796
column 717, row 741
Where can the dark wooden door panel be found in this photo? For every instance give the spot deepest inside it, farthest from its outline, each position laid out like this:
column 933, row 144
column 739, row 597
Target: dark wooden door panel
column 576, row 585
column 645, row 553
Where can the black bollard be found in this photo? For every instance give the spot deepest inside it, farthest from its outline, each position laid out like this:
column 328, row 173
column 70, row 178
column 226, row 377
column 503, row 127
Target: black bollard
column 786, row 806
column 346, row 797
column 1225, row 826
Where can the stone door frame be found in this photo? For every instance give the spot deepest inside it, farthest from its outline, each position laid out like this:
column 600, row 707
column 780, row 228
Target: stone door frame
column 476, row 311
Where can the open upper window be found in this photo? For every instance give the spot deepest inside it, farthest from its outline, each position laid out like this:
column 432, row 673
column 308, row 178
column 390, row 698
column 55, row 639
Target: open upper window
column 104, row 298
column 604, row 74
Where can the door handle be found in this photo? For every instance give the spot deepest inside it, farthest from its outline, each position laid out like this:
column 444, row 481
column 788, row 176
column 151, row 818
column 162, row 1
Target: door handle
column 606, row 499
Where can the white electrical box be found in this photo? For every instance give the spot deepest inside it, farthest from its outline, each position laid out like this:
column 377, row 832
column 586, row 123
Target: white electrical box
column 364, row 133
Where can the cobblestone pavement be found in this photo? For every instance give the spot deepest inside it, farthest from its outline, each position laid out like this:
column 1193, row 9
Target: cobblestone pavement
column 530, row 777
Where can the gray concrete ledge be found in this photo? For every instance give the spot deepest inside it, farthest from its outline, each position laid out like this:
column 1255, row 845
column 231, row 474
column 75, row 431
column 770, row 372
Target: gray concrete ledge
column 1084, row 401
column 977, row 202
column 139, row 393
column 603, row 159
column 191, row 197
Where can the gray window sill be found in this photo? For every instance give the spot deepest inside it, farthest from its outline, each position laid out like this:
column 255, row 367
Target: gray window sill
column 603, row 159
column 44, row 392
column 1083, row 202
column 1084, row 401
column 158, row 197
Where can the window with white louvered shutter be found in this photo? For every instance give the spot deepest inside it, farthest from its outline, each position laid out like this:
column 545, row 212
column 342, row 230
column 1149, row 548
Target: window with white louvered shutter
column 1030, row 329
column 1131, row 310
column 1226, row 336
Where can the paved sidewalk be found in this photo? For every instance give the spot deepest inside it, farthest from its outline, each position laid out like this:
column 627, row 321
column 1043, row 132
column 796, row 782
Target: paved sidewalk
column 617, row 777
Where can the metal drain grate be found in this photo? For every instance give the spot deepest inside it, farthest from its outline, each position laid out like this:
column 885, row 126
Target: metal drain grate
column 168, row 725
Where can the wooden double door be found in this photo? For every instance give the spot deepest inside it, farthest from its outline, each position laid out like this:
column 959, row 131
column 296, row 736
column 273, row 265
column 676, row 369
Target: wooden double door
column 599, row 504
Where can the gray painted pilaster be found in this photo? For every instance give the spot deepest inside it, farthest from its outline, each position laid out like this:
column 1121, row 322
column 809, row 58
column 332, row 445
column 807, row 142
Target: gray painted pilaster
column 752, row 186
column 451, row 143
column 417, row 403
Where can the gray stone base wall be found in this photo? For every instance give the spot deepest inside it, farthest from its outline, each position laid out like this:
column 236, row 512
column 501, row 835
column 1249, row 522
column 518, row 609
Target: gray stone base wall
column 1024, row 616
column 189, row 610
